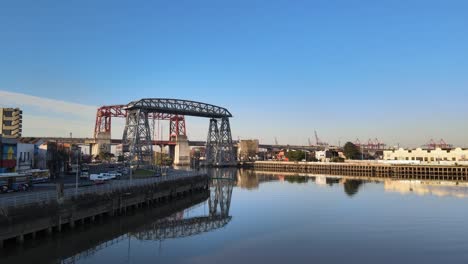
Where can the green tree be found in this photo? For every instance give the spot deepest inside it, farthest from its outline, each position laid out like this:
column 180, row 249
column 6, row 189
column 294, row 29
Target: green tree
column 105, row 156
column 162, row 159
column 337, row 159
column 351, row 151
column 295, row 155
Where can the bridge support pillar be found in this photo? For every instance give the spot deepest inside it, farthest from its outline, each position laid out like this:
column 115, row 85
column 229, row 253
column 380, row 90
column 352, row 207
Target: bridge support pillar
column 136, row 141
column 226, row 156
column 212, row 143
column 219, row 151
column 172, row 152
column 103, row 144
column 182, row 152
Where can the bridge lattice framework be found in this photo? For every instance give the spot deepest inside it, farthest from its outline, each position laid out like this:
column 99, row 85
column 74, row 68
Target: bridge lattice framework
column 137, row 133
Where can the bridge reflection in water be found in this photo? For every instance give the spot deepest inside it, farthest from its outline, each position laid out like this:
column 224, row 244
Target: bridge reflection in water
column 177, row 226
column 180, row 224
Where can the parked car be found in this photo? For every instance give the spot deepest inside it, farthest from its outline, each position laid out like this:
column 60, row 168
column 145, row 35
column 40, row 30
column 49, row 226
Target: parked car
column 3, row 188
column 84, row 175
column 115, row 174
column 20, row 187
column 97, row 177
column 123, row 171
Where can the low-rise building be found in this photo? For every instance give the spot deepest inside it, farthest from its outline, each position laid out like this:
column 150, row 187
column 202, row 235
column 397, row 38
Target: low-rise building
column 8, row 154
column 427, row 155
column 24, row 156
column 326, row 155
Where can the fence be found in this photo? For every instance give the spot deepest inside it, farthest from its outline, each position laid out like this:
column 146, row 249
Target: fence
column 109, row 187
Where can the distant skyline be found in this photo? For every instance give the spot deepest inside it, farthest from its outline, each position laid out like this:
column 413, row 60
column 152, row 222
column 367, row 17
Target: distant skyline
column 393, row 70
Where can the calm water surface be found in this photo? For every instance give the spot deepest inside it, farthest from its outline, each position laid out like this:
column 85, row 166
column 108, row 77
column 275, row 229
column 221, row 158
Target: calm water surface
column 276, row 218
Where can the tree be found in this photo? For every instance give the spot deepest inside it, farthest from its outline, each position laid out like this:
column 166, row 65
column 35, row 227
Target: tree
column 351, row 151
column 337, row 159
column 86, row 158
column 162, row 159
column 105, row 156
column 295, row 155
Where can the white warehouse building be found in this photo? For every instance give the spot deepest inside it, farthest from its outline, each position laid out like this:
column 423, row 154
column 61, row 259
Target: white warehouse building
column 427, row 155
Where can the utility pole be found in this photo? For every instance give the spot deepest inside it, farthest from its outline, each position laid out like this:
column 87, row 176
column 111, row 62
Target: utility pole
column 131, row 172
column 78, row 152
column 362, row 152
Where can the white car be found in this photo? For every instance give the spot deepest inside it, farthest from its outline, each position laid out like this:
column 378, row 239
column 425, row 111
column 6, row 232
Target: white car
column 115, row 174
column 108, row 176
column 97, row 177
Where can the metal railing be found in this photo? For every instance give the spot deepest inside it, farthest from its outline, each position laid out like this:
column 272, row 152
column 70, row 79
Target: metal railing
column 46, row 197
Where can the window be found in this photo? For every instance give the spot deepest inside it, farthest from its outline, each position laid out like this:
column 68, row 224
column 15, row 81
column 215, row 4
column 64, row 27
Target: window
column 454, row 159
column 7, row 132
column 7, row 123
column 8, row 113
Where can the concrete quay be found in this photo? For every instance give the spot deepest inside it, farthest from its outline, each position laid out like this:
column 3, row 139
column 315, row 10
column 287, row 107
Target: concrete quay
column 417, row 172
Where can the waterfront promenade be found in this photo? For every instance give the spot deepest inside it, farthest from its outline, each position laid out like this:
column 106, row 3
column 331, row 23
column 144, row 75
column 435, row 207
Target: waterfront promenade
column 48, row 196
column 25, row 215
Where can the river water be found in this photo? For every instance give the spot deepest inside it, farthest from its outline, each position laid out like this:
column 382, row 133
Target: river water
column 262, row 217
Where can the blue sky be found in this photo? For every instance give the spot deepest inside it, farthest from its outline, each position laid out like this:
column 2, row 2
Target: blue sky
column 396, row 70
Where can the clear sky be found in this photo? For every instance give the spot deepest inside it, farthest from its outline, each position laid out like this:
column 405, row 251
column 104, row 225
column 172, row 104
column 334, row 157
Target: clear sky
column 396, row 70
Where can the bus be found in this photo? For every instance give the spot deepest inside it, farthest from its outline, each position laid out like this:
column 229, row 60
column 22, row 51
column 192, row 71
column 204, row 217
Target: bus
column 14, row 182
column 39, row 176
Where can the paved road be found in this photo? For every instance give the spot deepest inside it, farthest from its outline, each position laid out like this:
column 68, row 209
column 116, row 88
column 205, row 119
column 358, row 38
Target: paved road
column 69, row 183
column 46, row 192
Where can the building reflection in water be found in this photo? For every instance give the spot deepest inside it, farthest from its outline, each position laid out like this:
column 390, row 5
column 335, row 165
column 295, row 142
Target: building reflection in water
column 440, row 189
column 250, row 179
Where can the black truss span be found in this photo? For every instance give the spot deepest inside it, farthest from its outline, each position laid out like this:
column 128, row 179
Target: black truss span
column 179, row 107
